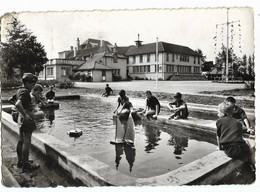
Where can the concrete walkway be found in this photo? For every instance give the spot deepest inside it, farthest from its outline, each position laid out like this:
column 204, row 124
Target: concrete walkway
column 185, row 87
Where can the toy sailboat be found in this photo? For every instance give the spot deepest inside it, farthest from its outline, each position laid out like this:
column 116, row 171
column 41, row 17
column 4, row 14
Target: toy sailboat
column 122, row 135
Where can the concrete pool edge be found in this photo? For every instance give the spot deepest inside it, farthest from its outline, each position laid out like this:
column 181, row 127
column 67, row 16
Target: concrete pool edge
column 95, row 173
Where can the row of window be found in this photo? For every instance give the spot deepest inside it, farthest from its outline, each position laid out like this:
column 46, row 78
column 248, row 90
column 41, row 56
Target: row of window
column 65, row 71
column 169, row 69
column 183, row 58
column 142, row 69
column 116, row 72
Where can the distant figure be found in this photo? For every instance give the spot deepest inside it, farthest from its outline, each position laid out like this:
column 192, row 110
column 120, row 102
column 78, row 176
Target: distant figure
column 239, row 114
column 229, row 136
column 179, row 107
column 26, row 122
column 152, row 107
column 108, row 92
column 50, row 95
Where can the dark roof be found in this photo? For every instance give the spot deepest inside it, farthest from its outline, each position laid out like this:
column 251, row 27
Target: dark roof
column 88, row 43
column 93, row 64
column 162, row 47
column 122, row 50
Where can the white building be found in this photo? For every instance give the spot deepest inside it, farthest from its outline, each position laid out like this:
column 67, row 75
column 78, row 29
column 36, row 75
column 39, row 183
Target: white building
column 175, row 62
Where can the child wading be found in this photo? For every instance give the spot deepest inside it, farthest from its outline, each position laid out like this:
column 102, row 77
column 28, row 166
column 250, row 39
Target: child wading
column 26, row 122
column 229, row 136
column 180, row 108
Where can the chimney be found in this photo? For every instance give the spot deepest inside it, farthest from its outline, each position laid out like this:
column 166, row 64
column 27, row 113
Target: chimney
column 75, row 52
column 138, row 43
column 71, row 48
column 78, row 43
column 102, row 43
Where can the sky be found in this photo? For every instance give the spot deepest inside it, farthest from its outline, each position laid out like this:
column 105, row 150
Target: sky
column 194, row 28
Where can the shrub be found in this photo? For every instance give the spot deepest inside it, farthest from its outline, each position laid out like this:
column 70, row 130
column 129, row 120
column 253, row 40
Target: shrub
column 66, row 84
column 8, row 84
column 250, row 84
column 117, row 78
column 47, row 83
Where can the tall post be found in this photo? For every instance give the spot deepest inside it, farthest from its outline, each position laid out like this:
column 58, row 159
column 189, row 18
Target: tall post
column 156, row 68
column 227, row 67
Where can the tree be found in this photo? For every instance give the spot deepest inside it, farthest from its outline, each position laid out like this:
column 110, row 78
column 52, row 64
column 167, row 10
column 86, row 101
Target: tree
column 243, row 65
column 251, row 65
column 220, row 60
column 207, row 66
column 201, row 54
column 21, row 51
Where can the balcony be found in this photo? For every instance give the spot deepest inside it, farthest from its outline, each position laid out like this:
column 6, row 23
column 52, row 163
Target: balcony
column 64, row 61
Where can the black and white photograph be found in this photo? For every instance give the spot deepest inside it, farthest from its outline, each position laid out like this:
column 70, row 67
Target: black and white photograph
column 128, row 98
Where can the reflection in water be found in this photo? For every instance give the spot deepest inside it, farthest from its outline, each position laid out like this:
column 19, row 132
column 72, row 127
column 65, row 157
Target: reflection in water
column 153, row 136
column 129, row 154
column 179, row 143
column 49, row 114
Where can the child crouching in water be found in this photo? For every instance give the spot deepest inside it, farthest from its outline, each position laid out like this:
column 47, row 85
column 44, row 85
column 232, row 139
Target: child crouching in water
column 229, row 136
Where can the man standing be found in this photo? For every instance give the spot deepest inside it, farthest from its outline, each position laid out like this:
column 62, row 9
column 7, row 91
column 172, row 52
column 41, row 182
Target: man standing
column 26, row 122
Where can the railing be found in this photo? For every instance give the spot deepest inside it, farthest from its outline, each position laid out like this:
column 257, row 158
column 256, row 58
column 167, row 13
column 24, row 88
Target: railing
column 64, row 61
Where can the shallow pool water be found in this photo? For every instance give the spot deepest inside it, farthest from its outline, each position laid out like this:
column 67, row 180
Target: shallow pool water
column 157, row 150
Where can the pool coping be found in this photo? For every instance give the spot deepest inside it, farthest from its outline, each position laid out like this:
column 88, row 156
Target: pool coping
column 93, row 172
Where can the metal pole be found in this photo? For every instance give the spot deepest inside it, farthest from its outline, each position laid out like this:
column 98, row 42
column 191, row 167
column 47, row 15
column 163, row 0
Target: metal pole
column 227, row 67
column 156, row 55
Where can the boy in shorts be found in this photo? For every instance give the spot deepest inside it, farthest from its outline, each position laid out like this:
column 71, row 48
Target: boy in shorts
column 26, row 122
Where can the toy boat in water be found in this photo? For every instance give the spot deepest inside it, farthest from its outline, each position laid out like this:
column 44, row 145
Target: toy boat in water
column 75, row 133
column 122, row 136
column 50, row 104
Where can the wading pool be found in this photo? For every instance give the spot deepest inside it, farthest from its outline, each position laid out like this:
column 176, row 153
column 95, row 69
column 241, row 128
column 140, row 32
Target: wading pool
column 157, row 149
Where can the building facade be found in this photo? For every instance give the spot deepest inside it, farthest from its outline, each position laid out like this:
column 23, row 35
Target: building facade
column 95, row 58
column 174, row 62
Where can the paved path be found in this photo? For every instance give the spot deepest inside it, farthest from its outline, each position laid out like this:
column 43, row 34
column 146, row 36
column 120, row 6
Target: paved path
column 185, row 87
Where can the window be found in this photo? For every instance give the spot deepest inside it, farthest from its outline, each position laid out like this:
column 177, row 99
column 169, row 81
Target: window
column 103, row 73
column 184, row 58
column 133, row 59
column 196, row 69
column 184, row 69
column 199, row 60
column 194, row 60
column 141, row 69
column 50, row 71
column 167, row 56
column 116, row 72
column 65, row 71
column 141, row 58
column 148, row 58
column 169, row 68
column 173, row 57
column 176, row 56
column 148, row 69
column 156, row 56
